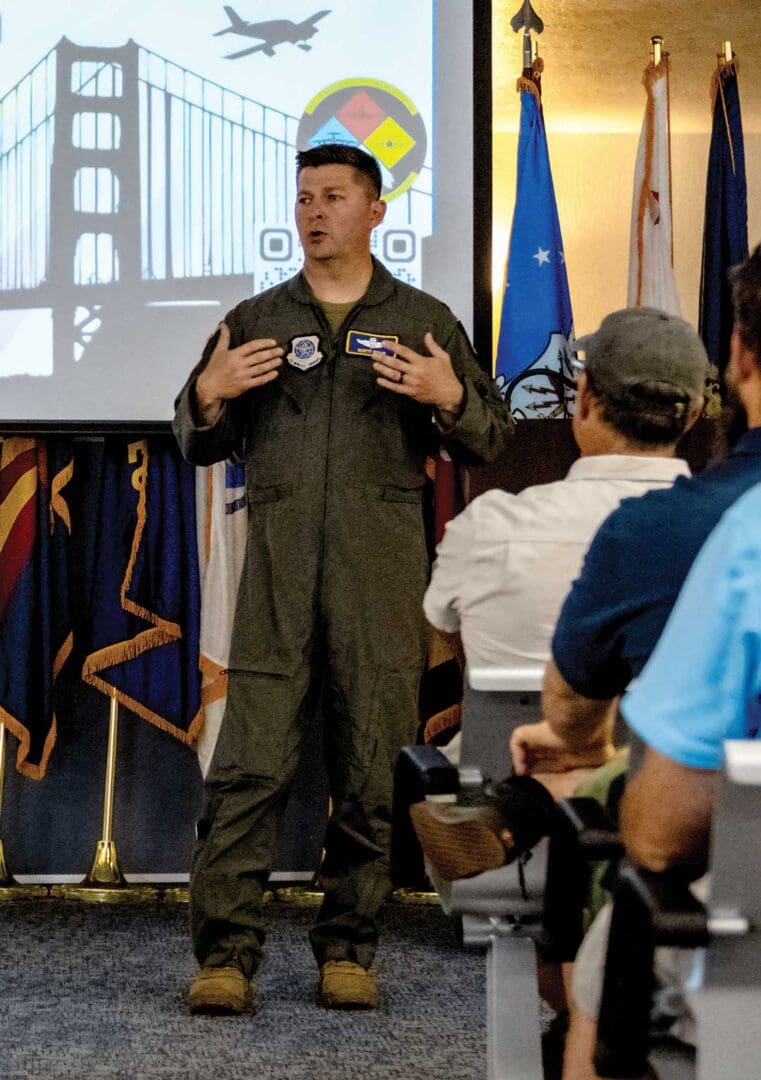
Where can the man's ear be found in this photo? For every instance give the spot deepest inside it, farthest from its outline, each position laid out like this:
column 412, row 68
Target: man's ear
column 378, row 212
column 583, row 396
column 742, row 359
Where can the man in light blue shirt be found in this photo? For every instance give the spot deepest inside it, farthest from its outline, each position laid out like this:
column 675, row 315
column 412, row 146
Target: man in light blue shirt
column 702, row 685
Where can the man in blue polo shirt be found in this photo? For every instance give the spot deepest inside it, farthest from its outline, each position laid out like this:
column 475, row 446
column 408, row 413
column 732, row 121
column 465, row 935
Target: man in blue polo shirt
column 701, row 686
column 636, row 565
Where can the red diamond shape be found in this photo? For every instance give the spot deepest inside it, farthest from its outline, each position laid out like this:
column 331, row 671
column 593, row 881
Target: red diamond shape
column 361, row 115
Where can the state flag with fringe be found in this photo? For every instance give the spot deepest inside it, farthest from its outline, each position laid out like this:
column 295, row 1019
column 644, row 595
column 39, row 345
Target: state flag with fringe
column 651, row 250
column 144, row 596
column 35, row 613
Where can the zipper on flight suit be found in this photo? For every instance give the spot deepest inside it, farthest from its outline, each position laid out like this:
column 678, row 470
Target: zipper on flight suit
column 335, row 349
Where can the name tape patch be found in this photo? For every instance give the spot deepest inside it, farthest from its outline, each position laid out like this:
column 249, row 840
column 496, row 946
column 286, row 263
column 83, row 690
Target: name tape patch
column 362, row 343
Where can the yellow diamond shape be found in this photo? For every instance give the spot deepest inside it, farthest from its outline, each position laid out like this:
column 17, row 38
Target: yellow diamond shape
column 389, row 142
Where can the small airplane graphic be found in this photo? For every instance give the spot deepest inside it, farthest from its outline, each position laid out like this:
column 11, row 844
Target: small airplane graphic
column 272, row 33
column 369, row 343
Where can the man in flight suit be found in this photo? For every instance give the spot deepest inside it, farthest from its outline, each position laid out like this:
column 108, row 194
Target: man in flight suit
column 336, row 385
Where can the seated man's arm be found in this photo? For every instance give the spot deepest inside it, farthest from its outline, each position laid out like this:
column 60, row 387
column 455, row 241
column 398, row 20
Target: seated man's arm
column 664, row 832
column 575, row 732
column 700, row 687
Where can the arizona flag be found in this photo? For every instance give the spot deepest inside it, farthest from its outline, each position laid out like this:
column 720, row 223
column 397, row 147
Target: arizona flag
column 35, row 624
column 144, row 604
column 533, row 369
column 725, row 232
column 651, row 252
column 222, row 522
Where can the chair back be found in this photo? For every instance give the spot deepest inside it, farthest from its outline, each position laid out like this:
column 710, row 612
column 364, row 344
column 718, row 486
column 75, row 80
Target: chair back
column 495, row 702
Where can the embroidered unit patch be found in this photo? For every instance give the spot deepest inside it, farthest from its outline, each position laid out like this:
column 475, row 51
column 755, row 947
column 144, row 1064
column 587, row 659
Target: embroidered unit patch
column 305, row 352
column 361, row 343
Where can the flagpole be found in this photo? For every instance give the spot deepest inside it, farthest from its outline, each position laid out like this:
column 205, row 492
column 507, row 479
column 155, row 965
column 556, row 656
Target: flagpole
column 656, row 43
column 105, row 883
column 5, row 877
column 10, row 889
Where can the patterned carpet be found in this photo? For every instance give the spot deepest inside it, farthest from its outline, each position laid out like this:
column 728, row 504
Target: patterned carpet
column 89, row 992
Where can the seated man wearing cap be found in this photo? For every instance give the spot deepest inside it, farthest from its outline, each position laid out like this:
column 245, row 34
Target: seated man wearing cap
column 506, row 562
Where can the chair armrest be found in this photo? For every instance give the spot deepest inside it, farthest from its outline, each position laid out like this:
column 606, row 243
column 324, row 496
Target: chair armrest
column 596, row 833
column 584, row 834
column 423, row 770
column 648, row 910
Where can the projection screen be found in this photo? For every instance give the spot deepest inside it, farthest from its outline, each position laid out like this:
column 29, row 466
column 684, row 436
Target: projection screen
column 147, row 177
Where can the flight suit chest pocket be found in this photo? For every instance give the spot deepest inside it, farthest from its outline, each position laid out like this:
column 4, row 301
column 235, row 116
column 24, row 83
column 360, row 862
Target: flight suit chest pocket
column 401, row 493
column 269, row 493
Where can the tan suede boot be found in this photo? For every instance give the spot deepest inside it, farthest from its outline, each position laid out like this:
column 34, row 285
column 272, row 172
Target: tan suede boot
column 223, row 991
column 346, row 985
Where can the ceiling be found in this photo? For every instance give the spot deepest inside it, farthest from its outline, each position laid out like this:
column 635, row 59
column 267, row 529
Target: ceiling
column 594, row 56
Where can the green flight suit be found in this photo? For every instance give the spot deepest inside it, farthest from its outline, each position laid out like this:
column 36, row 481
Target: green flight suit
column 329, row 601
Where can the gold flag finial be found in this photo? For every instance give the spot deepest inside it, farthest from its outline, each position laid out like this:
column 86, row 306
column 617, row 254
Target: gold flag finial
column 728, row 54
column 656, row 43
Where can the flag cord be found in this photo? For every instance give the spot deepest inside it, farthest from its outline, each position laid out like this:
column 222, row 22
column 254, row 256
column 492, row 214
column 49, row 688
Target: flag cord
column 726, row 124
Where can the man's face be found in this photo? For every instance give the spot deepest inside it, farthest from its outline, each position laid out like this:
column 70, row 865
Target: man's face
column 335, row 212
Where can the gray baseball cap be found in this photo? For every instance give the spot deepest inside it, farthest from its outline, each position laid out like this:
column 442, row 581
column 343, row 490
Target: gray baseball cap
column 643, row 354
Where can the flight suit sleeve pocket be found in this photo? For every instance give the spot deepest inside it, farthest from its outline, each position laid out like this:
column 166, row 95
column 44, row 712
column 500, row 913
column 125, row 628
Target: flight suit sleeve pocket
column 394, row 493
column 268, row 494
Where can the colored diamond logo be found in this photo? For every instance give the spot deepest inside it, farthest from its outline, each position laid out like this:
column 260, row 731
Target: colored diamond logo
column 389, row 142
column 333, row 131
column 361, row 115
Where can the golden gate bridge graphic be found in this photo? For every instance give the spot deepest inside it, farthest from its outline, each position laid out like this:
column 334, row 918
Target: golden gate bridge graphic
column 132, row 189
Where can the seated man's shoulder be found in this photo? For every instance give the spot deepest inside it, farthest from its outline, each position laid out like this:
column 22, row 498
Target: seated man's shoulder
column 661, row 509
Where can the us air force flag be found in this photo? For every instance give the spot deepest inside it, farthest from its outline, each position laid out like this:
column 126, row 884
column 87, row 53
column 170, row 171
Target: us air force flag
column 533, row 369
column 222, row 522
column 651, row 253
column 725, row 232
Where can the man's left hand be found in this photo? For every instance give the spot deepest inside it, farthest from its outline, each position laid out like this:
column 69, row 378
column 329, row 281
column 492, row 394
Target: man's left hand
column 428, row 379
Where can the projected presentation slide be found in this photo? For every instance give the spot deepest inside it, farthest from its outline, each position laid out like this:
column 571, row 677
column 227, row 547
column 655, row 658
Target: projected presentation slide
column 147, row 177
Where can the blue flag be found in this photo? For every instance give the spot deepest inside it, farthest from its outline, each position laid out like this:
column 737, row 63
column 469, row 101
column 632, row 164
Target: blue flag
column 725, row 231
column 533, row 370
column 144, row 590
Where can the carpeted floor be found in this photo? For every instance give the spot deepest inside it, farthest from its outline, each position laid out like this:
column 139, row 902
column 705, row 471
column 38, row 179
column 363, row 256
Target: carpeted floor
column 89, row 992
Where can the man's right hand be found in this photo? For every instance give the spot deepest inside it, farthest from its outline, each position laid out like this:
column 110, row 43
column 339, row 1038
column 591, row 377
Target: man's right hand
column 231, row 372
column 536, row 748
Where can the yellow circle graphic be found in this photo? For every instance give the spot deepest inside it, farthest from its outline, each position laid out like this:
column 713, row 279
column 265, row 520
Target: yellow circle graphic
column 374, row 116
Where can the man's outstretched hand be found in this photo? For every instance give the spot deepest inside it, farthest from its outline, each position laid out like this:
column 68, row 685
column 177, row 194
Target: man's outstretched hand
column 231, row 372
column 428, row 379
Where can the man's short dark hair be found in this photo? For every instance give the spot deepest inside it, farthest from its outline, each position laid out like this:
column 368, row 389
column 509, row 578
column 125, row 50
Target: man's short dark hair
column 338, row 154
column 746, row 296
column 641, row 417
